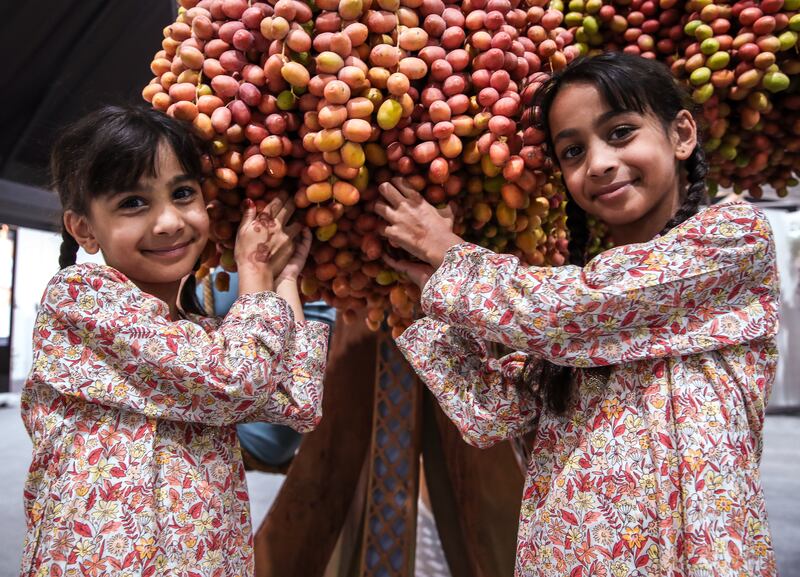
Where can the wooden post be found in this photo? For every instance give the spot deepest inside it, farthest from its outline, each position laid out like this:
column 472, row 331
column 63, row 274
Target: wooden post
column 374, row 429
column 390, row 525
column 301, row 529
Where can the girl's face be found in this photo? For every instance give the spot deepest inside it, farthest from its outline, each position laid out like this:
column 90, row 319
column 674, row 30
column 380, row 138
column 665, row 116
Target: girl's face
column 153, row 234
column 621, row 167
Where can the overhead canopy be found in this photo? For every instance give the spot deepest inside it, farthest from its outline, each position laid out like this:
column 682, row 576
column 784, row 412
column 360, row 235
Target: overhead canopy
column 61, row 59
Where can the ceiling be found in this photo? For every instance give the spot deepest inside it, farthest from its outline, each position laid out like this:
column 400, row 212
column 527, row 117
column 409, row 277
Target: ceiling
column 62, row 59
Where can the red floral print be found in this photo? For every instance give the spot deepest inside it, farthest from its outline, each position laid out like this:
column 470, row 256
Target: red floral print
column 653, row 471
column 136, row 465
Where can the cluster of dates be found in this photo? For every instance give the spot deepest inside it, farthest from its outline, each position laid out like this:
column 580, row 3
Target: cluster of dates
column 324, row 101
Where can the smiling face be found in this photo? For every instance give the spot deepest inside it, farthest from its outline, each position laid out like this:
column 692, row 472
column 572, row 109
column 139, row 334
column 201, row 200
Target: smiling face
column 619, row 166
column 153, row 234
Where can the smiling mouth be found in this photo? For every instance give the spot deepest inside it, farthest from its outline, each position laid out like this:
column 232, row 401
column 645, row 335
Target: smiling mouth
column 169, row 250
column 612, row 188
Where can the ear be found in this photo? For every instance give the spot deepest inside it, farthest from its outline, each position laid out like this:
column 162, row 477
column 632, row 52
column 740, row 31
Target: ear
column 80, row 228
column 684, row 134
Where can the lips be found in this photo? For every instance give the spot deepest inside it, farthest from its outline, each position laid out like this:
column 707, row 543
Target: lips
column 169, row 249
column 611, row 188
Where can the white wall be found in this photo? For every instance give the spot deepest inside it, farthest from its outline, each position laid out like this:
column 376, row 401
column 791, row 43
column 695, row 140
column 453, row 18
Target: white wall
column 786, row 230
column 37, row 262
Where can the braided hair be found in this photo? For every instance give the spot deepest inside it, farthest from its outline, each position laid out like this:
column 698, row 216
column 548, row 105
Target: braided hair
column 627, row 83
column 69, row 249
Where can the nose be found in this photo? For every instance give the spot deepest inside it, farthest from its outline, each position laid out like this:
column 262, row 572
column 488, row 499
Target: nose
column 168, row 220
column 602, row 160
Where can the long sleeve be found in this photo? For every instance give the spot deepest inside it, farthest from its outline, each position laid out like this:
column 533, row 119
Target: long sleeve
column 99, row 338
column 297, row 400
column 482, row 395
column 707, row 284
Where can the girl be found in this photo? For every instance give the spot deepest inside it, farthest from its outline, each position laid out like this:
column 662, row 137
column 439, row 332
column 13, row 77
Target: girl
column 648, row 440
column 132, row 401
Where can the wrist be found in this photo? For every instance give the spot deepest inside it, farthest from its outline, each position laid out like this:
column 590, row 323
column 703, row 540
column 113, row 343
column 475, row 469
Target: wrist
column 285, row 282
column 438, row 249
column 255, row 277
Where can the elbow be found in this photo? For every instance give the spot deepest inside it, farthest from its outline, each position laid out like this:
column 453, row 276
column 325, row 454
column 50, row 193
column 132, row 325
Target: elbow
column 307, row 418
column 478, row 438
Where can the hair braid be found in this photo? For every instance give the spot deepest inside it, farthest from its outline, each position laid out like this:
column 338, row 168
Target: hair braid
column 697, row 169
column 579, row 237
column 555, row 382
column 188, row 299
column 69, row 250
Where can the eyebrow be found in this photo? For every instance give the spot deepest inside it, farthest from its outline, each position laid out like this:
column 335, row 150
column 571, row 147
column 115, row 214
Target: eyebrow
column 605, row 117
column 174, row 181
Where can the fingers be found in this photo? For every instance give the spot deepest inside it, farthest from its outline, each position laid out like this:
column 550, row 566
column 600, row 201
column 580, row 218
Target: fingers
column 405, row 189
column 286, row 211
column 448, row 211
column 249, row 214
column 303, row 248
column 417, row 273
column 305, row 239
column 273, row 206
column 282, row 255
column 385, row 212
column 393, row 196
column 264, row 218
column 293, row 230
column 395, row 264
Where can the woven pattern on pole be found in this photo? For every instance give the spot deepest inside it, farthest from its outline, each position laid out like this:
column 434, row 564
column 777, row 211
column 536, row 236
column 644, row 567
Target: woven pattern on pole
column 391, row 512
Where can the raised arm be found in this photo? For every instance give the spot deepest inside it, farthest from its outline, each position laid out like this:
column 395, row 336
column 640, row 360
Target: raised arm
column 297, row 399
column 100, row 339
column 707, row 284
column 482, row 395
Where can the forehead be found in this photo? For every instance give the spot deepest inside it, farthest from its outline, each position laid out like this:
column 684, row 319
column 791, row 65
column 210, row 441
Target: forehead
column 166, row 163
column 576, row 105
column 581, row 107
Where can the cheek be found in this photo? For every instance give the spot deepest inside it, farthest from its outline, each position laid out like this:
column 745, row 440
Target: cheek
column 200, row 221
column 124, row 235
column 574, row 183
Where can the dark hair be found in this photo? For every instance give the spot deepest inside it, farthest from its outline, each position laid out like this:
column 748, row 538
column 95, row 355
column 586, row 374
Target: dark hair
column 110, row 150
column 627, row 83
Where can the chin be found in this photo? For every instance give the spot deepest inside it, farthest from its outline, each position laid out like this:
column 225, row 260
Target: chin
column 166, row 273
column 622, row 216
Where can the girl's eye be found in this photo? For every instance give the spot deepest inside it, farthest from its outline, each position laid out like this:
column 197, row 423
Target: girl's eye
column 132, row 202
column 184, row 193
column 571, row 152
column 621, row 132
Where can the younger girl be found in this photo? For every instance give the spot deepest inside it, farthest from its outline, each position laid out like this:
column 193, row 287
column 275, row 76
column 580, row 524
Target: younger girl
column 648, row 441
column 132, row 403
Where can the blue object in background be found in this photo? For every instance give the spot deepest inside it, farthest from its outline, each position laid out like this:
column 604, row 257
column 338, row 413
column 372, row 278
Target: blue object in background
column 270, row 444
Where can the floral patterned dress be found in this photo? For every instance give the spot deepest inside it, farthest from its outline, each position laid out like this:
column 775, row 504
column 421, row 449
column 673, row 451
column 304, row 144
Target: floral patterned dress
column 136, row 465
column 654, row 471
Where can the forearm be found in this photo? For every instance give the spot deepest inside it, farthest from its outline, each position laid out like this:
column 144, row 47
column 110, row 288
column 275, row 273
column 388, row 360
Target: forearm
column 287, row 289
column 485, row 397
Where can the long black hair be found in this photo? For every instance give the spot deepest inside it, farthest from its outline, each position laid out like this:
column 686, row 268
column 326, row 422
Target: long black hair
column 110, row 150
column 626, row 83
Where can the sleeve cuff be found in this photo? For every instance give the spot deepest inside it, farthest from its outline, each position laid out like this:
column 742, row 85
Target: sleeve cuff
column 265, row 304
column 452, row 265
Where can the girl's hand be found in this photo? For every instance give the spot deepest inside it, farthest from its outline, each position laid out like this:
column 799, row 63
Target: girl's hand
column 284, row 236
column 296, row 262
column 417, row 272
column 414, row 224
column 286, row 283
column 261, row 244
